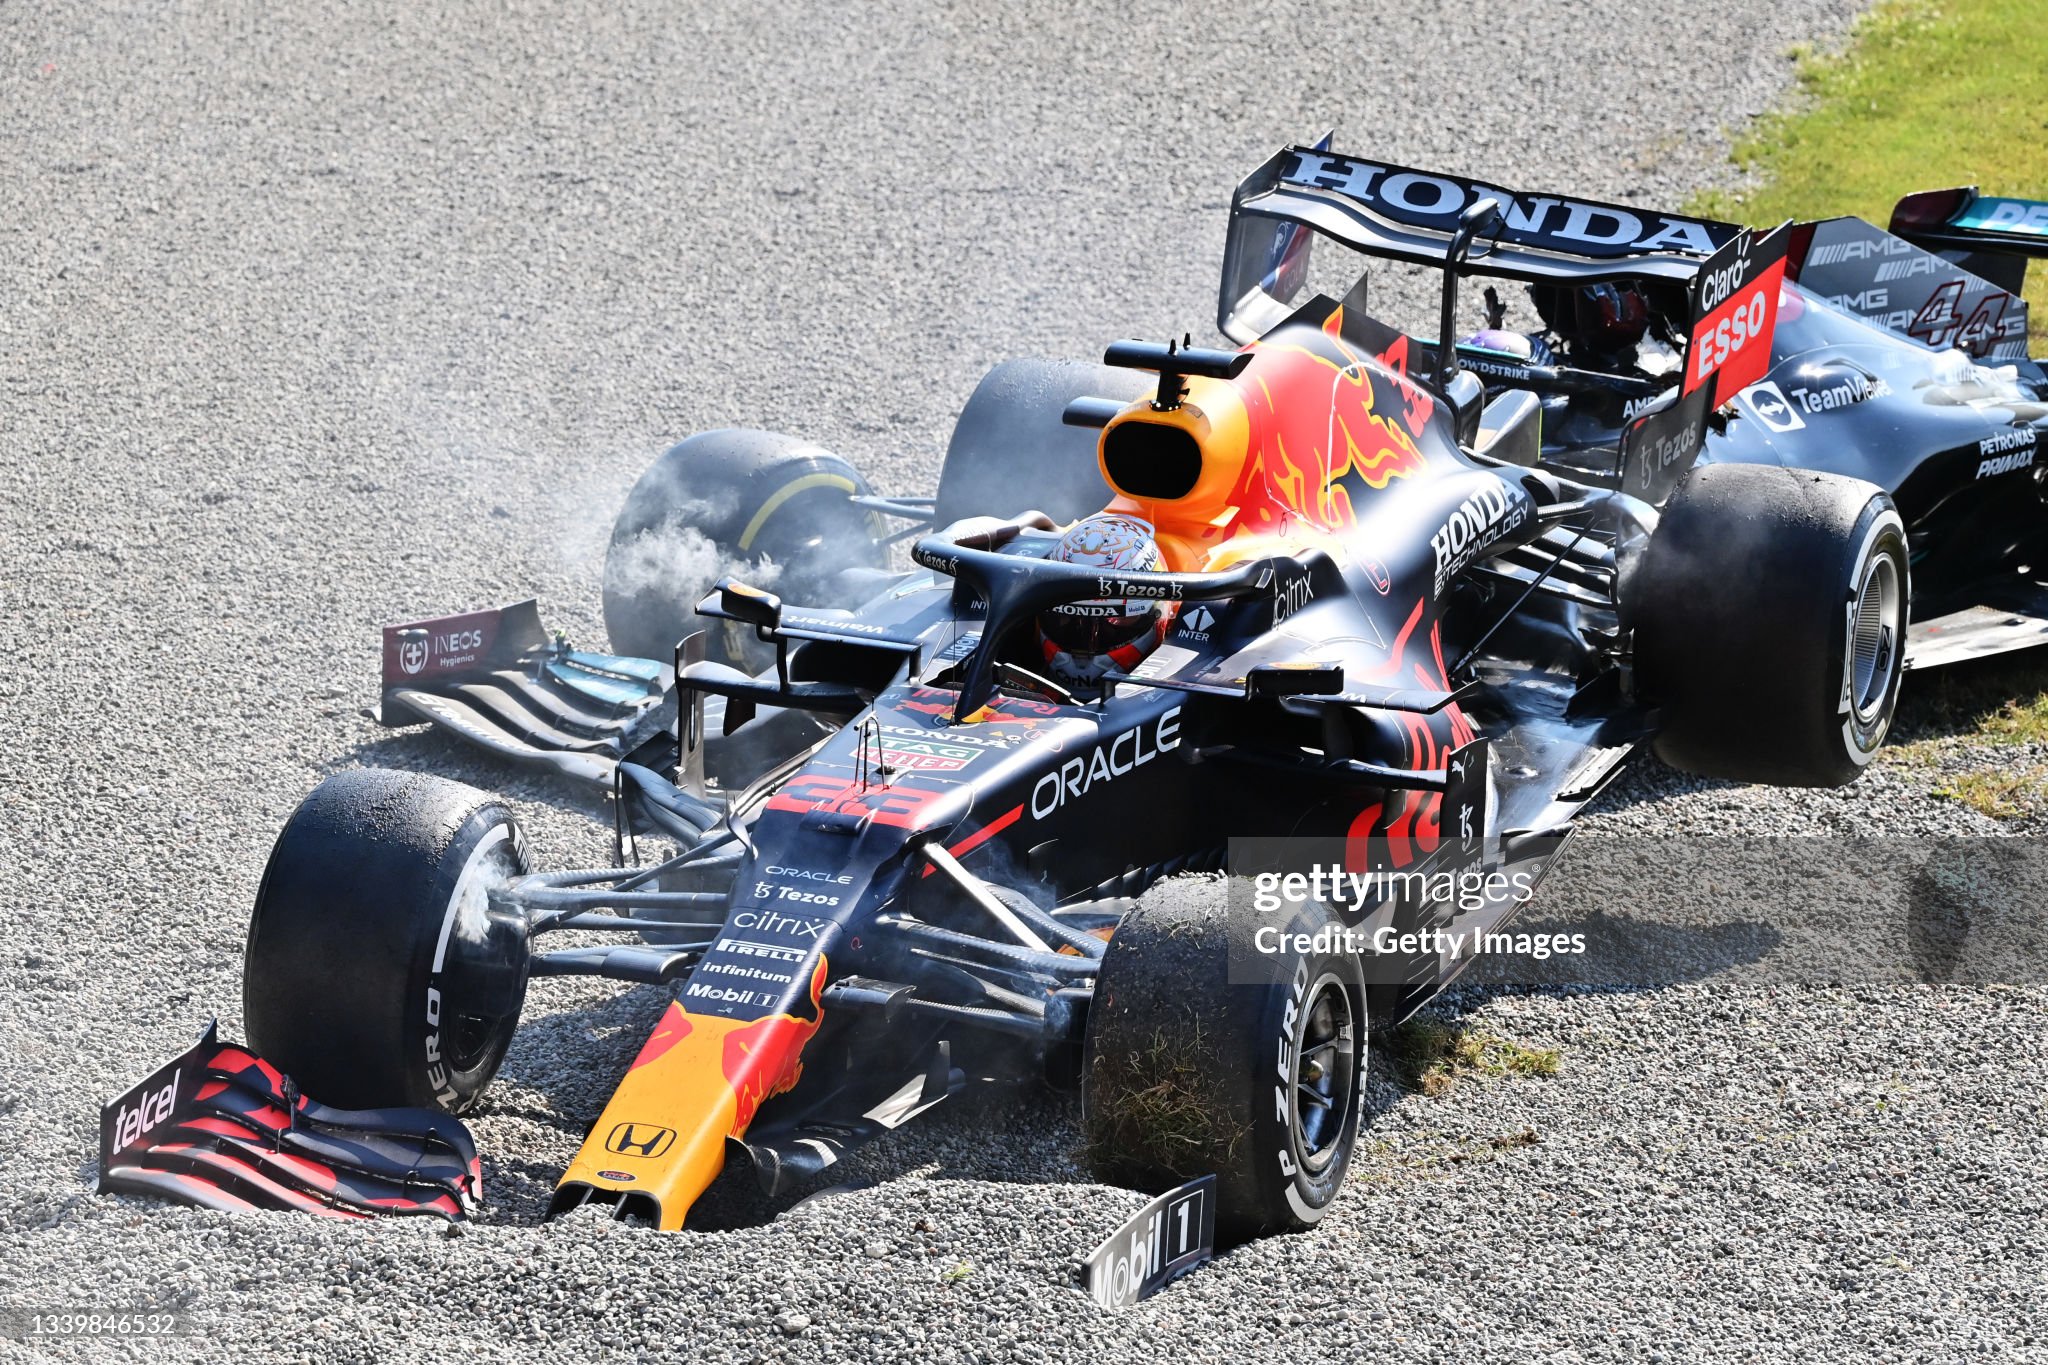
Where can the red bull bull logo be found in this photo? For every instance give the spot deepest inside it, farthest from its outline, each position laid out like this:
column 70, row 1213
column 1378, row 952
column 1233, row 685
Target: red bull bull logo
column 1324, row 426
column 765, row 1058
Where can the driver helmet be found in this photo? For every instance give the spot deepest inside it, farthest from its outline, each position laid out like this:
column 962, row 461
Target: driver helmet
column 1081, row 641
column 1532, row 350
column 1603, row 319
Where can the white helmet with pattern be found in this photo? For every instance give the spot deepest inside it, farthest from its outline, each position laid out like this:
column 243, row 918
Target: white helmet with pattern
column 1082, row 641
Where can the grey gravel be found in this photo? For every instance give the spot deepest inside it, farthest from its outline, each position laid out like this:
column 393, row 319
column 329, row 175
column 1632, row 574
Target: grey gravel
column 317, row 317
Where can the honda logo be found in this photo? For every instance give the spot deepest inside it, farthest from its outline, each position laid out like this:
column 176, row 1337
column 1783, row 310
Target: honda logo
column 639, row 1139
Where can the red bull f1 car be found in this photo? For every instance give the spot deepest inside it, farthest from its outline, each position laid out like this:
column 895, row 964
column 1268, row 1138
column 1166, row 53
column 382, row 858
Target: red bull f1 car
column 880, row 836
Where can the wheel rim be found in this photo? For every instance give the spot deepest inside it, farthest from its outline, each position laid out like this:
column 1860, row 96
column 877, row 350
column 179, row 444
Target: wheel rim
column 482, row 951
column 1874, row 653
column 1325, row 1078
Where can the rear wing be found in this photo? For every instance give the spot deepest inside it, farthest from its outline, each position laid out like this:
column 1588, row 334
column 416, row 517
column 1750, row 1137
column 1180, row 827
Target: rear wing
column 1925, row 286
column 1731, row 276
column 1380, row 209
column 1988, row 235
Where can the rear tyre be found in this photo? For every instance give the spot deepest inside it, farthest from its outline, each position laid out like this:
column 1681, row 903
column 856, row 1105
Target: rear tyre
column 1010, row 452
column 1189, row 1072
column 734, row 502
column 1770, row 614
column 377, row 971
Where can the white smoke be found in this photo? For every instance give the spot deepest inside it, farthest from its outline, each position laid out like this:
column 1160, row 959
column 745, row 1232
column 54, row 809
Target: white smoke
column 473, row 904
column 674, row 561
column 490, row 868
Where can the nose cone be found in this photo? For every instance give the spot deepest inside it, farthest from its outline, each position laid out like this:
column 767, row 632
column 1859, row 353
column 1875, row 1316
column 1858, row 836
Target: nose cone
column 697, row 1081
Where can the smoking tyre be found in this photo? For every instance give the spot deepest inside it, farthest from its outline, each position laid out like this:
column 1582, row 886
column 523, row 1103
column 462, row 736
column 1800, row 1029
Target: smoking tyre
column 769, row 508
column 378, row 972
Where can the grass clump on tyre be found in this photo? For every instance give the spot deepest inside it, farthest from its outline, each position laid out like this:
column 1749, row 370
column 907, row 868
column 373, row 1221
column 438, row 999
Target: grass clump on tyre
column 1207, row 1055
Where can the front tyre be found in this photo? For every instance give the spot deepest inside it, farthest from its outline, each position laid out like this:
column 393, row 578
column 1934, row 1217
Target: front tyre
column 1253, row 1074
column 768, row 508
column 378, row 971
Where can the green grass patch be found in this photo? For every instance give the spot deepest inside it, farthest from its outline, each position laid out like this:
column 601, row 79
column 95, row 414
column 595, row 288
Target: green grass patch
column 2018, row 722
column 1928, row 94
column 1431, row 1056
column 2001, row 793
column 1163, row 1113
column 2000, row 701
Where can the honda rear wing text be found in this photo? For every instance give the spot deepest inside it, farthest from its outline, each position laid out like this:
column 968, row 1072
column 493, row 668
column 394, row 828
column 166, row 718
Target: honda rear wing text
column 1394, row 212
column 1732, row 277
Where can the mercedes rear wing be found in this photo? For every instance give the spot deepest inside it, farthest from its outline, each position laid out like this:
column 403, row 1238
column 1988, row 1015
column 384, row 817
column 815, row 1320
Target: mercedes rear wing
column 1389, row 211
column 1989, row 235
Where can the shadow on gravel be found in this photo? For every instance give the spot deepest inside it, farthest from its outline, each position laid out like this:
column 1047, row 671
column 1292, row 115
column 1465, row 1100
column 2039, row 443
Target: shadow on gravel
column 1631, row 954
column 519, row 1190
column 992, row 1134
column 2001, row 700
column 1648, row 779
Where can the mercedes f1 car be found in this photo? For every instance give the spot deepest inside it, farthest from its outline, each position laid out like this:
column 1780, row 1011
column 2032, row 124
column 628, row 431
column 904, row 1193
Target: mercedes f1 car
column 877, row 848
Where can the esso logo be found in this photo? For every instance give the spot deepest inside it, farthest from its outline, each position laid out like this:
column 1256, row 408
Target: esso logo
column 1732, row 339
column 1736, row 329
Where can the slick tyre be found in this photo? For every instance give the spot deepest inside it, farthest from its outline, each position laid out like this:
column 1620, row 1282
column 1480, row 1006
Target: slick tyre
column 1010, row 452
column 378, row 972
column 773, row 510
column 1205, row 1056
column 1770, row 612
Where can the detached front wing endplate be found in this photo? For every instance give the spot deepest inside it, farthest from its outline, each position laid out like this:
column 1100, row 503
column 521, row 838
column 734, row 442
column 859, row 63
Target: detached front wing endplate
column 218, row 1127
